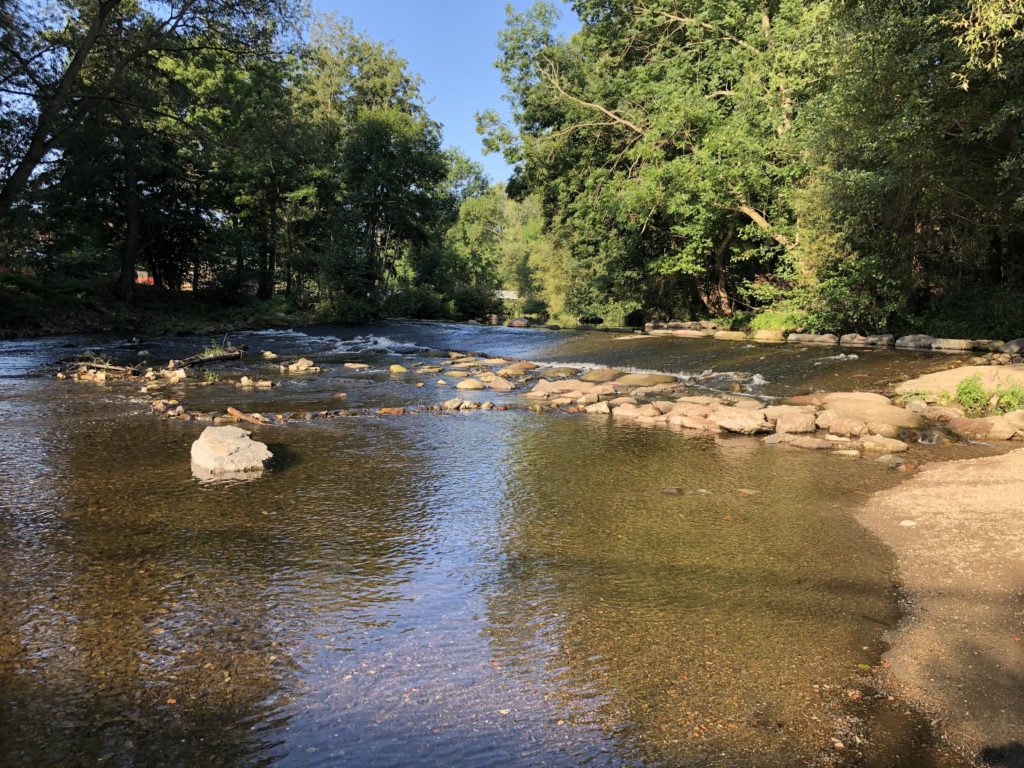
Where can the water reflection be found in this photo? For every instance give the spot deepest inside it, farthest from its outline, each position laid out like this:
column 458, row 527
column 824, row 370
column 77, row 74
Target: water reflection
column 474, row 589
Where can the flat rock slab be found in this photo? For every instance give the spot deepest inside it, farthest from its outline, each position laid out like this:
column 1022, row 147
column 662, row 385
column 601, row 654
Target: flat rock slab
column 871, row 409
column 228, row 452
column 812, row 338
column 959, row 651
column 560, row 373
column 601, row 375
column 642, row 379
column 993, row 377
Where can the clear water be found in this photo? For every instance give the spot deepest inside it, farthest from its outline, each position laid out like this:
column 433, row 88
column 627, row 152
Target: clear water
column 460, row 589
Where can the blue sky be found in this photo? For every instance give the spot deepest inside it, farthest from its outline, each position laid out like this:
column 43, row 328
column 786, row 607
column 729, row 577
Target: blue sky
column 452, row 45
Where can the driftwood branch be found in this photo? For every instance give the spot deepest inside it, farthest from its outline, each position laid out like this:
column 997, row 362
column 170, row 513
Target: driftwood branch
column 206, row 359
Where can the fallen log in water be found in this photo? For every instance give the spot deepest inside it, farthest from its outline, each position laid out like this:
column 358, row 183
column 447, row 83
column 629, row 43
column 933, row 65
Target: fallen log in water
column 204, row 358
column 232, row 411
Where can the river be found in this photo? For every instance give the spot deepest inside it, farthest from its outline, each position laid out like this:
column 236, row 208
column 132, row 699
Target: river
column 462, row 589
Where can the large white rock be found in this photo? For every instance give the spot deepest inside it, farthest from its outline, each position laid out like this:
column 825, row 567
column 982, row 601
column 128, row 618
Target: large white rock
column 227, row 451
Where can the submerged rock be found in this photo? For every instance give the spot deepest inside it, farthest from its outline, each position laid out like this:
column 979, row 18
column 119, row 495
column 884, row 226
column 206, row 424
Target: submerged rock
column 228, row 451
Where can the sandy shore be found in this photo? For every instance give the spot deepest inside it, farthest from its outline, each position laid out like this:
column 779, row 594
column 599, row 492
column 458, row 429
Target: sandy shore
column 957, row 529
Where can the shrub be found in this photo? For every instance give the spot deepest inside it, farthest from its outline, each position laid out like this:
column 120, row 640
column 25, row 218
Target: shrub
column 1010, row 399
column 971, row 395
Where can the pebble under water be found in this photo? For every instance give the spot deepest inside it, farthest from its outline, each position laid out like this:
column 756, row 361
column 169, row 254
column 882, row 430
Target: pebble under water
column 460, row 589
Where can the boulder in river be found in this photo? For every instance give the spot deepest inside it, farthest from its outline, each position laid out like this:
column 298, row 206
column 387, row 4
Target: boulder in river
column 1014, row 347
column 601, row 375
column 991, row 428
column 644, row 379
column 812, row 338
column 470, row 384
column 227, row 452
column 915, row 341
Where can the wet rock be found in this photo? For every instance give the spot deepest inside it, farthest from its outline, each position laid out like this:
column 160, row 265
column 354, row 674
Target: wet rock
column 748, row 404
column 839, row 424
column 649, row 411
column 987, row 345
column 775, row 411
column 470, row 384
column 812, row 338
column 486, row 405
column 266, row 354
column 228, row 451
column 741, row 421
column 598, row 408
column 1014, row 347
column 560, row 373
column 990, row 428
column 915, row 341
column 396, row 368
column 591, row 398
column 730, row 336
column 601, row 375
column 879, row 444
column 953, row 345
column 519, row 322
column 358, row 366
column 500, row 384
column 769, row 334
column 517, row 369
column 891, row 460
column 452, row 405
column 857, row 340
column 795, row 422
column 625, row 411
column 809, row 443
column 391, row 411
column 624, row 400
column 698, row 423
column 644, row 379
column 301, row 365
column 871, row 409
column 685, row 333
column 245, row 382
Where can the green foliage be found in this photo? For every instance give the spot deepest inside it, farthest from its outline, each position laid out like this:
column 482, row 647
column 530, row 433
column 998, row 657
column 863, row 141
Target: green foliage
column 971, row 395
column 781, row 320
column 1010, row 398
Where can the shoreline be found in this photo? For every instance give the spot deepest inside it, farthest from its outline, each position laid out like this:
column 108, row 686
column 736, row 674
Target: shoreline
column 957, row 653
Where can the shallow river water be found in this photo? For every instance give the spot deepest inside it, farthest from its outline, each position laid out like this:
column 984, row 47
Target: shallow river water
column 459, row 589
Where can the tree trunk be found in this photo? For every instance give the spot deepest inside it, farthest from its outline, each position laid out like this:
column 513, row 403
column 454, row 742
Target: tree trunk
column 724, row 301
column 39, row 143
column 130, row 252
column 267, row 273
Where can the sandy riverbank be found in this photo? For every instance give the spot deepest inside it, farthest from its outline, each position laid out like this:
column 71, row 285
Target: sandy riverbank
column 957, row 529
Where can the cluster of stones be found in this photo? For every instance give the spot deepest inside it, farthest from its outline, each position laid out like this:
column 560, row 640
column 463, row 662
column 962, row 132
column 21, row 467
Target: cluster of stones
column 848, row 423
column 998, row 352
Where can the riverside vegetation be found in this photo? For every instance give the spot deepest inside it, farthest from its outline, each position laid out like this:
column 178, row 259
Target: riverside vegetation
column 815, row 166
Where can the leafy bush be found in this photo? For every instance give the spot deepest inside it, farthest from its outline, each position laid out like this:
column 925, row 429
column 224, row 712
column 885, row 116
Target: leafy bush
column 971, row 395
column 419, row 301
column 1010, row 399
column 782, row 320
column 474, row 302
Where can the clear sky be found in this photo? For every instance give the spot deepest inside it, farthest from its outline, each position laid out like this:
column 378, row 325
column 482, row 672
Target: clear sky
column 452, row 45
